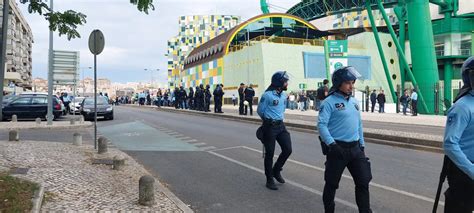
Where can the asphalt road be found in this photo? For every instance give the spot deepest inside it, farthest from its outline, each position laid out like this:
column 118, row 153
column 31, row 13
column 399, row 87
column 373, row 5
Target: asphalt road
column 216, row 165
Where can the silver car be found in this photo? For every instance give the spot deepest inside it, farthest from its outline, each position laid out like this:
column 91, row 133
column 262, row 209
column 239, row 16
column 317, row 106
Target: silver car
column 75, row 105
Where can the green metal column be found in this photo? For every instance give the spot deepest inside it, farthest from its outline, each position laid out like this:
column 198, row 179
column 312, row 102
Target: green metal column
column 326, row 56
column 403, row 58
column 401, row 15
column 425, row 68
column 382, row 55
column 264, row 7
column 448, row 77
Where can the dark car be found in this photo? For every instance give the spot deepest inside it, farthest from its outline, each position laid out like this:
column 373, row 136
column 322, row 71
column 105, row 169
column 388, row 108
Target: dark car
column 104, row 109
column 8, row 98
column 30, row 107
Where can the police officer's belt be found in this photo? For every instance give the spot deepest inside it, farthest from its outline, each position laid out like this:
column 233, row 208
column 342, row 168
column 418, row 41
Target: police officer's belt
column 272, row 122
column 347, row 144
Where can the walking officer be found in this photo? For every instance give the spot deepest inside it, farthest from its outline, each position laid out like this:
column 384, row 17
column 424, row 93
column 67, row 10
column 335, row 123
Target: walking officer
column 340, row 128
column 271, row 110
column 459, row 146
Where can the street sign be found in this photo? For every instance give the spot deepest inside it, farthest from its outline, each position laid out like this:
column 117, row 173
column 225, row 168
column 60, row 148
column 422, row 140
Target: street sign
column 302, row 86
column 96, row 42
column 65, row 67
column 337, row 46
column 335, row 63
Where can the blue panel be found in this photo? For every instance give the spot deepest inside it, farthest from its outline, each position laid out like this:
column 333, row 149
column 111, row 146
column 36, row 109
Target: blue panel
column 363, row 64
column 314, row 65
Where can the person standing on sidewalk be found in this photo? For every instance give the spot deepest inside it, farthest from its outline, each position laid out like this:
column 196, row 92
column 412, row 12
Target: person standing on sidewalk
column 414, row 102
column 234, row 99
column 404, row 100
column 381, row 100
column 373, row 100
column 249, row 94
column 241, row 98
column 218, row 94
column 207, row 98
column 340, row 127
column 459, row 146
column 271, row 110
column 322, row 93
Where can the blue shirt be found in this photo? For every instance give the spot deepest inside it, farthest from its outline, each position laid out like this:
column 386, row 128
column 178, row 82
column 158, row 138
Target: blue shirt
column 339, row 119
column 272, row 105
column 414, row 96
column 459, row 134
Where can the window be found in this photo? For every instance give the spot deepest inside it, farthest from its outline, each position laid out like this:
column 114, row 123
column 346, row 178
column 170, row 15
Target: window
column 21, row 101
column 38, row 101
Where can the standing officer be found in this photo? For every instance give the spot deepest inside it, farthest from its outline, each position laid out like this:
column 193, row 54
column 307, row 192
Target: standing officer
column 241, row 98
column 459, row 146
column 207, row 98
column 271, row 110
column 191, row 98
column 249, row 93
column 340, row 127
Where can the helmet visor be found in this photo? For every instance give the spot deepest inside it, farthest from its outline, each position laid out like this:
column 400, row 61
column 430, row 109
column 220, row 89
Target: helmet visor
column 352, row 71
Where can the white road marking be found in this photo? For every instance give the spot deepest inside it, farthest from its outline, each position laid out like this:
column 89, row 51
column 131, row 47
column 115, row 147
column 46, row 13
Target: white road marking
column 207, row 148
column 227, row 148
column 298, row 185
column 199, row 144
column 388, row 188
column 191, row 141
column 184, row 138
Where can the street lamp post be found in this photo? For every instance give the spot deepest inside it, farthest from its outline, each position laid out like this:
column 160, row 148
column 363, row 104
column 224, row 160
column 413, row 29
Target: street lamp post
column 151, row 71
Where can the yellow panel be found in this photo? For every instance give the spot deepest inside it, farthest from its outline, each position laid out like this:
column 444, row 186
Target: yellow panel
column 220, row 62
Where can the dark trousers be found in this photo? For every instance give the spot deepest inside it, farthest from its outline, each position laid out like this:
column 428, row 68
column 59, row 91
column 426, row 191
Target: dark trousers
column 217, row 104
column 414, row 107
column 459, row 197
column 359, row 166
column 241, row 106
column 381, row 107
column 373, row 106
column 191, row 103
column 272, row 133
column 248, row 108
column 207, row 104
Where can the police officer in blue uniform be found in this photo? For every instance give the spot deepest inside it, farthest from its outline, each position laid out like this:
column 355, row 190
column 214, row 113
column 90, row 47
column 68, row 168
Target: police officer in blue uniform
column 340, row 128
column 459, row 146
column 271, row 110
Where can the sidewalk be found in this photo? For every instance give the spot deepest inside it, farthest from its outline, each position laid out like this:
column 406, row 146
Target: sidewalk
column 429, row 120
column 73, row 183
column 43, row 125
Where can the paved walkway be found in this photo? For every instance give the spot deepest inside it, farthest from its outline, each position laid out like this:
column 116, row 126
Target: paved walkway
column 72, row 183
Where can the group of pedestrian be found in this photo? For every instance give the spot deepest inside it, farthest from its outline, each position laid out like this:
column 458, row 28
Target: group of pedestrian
column 246, row 99
column 405, row 100
column 342, row 139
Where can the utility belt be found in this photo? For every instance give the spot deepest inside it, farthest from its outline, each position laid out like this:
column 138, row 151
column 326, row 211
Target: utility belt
column 271, row 122
column 343, row 144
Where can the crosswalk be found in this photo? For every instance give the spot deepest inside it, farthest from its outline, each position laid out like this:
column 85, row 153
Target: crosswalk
column 202, row 146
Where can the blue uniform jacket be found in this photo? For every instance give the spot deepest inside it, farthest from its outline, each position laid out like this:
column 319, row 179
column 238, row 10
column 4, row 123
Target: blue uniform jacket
column 272, row 105
column 339, row 119
column 459, row 134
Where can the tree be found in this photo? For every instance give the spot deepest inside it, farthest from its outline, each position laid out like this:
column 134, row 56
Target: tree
column 67, row 22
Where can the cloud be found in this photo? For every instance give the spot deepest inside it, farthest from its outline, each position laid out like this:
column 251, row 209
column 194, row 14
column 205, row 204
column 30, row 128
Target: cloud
column 134, row 41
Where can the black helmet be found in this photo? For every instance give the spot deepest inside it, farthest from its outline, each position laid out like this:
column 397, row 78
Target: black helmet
column 279, row 79
column 207, row 86
column 342, row 75
column 467, row 72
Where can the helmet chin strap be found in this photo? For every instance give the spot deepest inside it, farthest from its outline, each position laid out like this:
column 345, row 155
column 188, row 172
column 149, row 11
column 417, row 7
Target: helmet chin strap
column 471, row 78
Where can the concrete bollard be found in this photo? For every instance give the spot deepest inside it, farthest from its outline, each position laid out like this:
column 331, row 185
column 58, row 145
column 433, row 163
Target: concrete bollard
column 38, row 121
column 14, row 118
column 102, row 145
column 13, row 135
column 77, row 139
column 119, row 163
column 146, row 189
column 81, row 119
column 72, row 121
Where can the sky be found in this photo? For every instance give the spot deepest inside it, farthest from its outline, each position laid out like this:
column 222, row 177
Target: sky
column 134, row 41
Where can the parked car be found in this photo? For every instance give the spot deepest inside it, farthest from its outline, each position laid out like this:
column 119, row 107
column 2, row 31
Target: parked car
column 8, row 98
column 75, row 105
column 104, row 109
column 30, row 107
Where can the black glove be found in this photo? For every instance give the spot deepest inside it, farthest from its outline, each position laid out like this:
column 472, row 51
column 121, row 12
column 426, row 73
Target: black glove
column 362, row 149
column 336, row 150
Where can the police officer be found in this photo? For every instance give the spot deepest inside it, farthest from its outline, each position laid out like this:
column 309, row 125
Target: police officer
column 340, row 128
column 459, row 146
column 271, row 110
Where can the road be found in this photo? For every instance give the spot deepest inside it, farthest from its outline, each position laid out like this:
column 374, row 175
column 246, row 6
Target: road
column 216, row 165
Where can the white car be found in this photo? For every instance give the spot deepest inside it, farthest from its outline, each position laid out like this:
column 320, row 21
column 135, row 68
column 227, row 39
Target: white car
column 75, row 104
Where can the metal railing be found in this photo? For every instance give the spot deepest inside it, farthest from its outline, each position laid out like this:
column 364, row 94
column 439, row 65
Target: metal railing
column 279, row 40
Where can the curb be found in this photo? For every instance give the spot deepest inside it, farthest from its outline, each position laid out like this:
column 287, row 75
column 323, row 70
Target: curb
column 50, row 127
column 405, row 142
column 173, row 197
column 38, row 199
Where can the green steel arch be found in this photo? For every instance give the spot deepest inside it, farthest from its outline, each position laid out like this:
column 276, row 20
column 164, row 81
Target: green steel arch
column 264, row 7
column 314, row 9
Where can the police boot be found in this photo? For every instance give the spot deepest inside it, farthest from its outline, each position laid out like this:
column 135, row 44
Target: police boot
column 271, row 184
column 277, row 175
